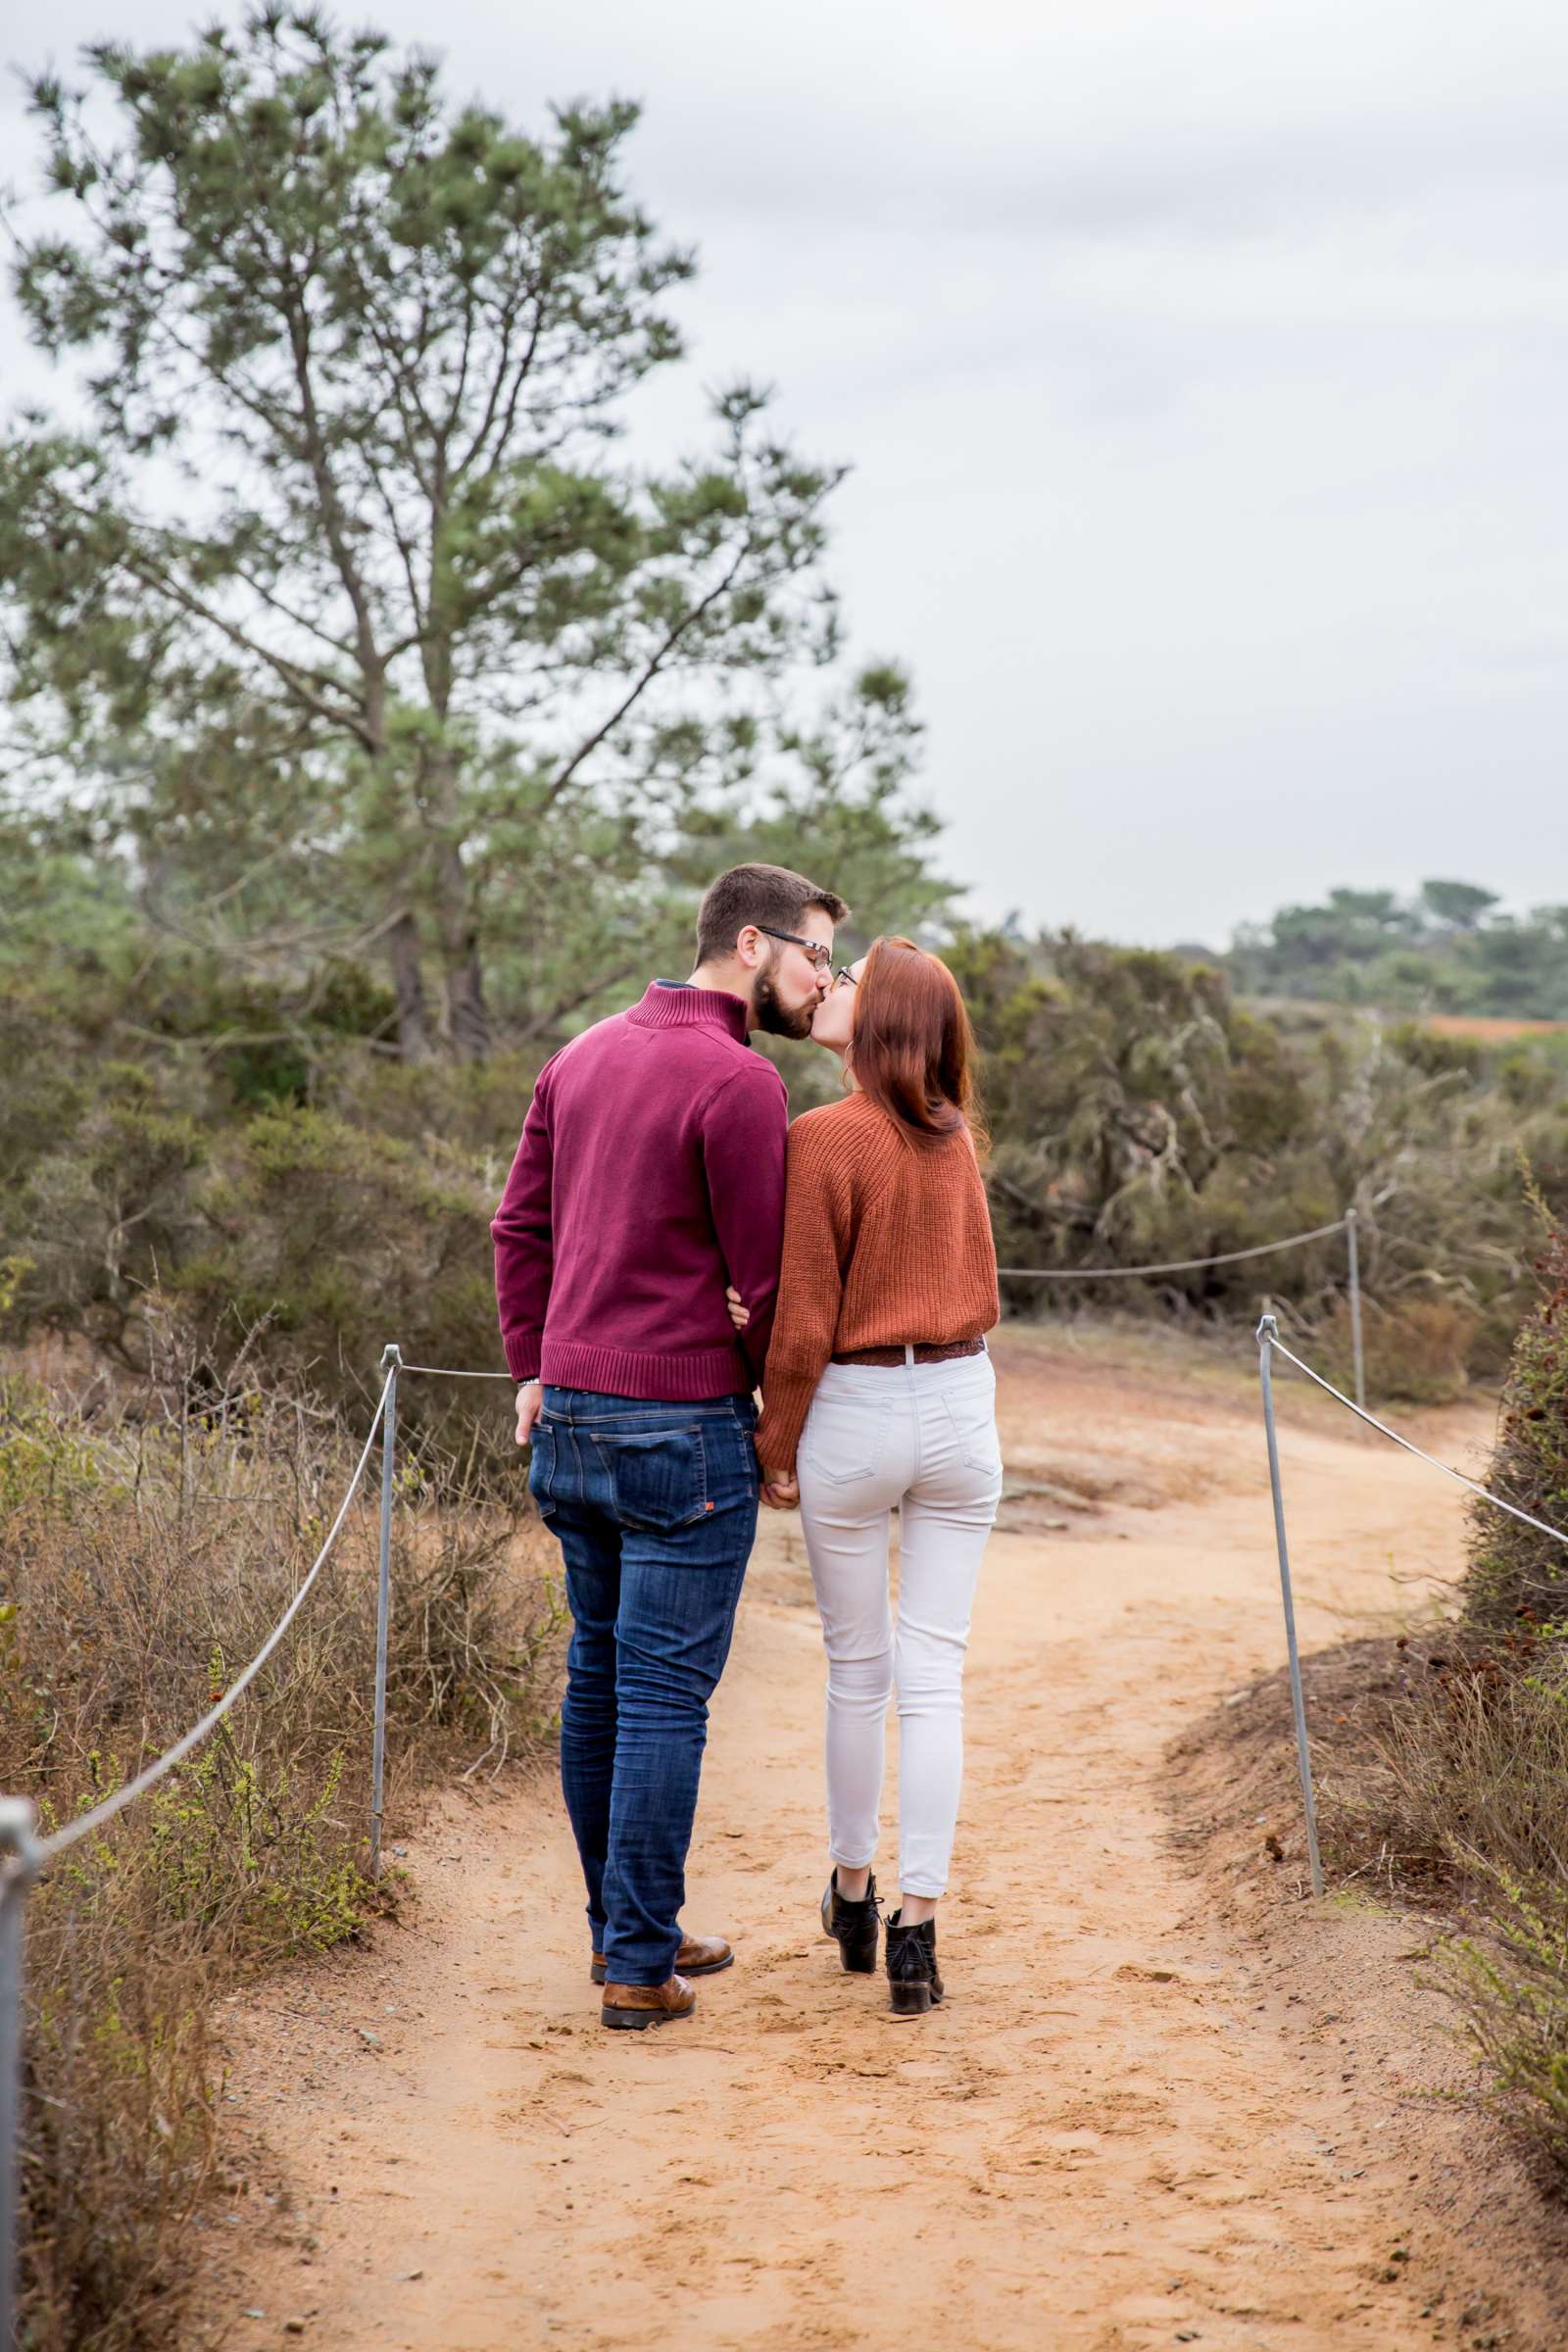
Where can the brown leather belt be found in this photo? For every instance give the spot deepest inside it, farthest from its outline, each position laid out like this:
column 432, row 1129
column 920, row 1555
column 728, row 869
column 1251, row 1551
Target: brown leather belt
column 924, row 1354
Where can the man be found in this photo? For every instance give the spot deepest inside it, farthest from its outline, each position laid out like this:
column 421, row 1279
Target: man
column 650, row 1176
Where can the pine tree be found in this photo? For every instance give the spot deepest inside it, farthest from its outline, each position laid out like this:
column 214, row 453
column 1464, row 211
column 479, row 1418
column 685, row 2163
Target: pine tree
column 336, row 593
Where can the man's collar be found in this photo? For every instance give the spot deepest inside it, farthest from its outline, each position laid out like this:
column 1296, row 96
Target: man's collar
column 680, row 1006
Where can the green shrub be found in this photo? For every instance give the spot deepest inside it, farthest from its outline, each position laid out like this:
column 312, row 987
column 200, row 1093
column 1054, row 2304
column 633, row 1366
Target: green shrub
column 43, row 1459
column 1512, row 1987
column 226, row 1810
column 1141, row 1116
column 1516, row 1573
column 258, row 1152
column 332, row 1241
column 1455, row 1780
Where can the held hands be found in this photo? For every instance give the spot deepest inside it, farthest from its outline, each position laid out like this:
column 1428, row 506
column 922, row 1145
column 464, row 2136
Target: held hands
column 775, row 1494
column 530, row 1398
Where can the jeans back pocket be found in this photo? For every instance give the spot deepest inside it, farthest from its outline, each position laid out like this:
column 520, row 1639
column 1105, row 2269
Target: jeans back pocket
column 845, row 1437
column 658, row 1477
column 974, row 1425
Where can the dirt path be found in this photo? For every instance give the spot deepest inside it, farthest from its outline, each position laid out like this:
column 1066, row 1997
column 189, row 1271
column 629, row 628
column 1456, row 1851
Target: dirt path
column 1113, row 2135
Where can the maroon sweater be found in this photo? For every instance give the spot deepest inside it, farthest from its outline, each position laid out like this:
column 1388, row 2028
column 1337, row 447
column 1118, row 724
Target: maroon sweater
column 649, row 1174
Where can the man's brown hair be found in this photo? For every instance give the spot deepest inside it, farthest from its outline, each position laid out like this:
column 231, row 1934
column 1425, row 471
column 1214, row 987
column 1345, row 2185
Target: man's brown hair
column 769, row 895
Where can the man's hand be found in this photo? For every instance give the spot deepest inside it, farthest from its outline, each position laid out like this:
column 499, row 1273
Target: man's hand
column 782, row 1494
column 740, row 1314
column 530, row 1398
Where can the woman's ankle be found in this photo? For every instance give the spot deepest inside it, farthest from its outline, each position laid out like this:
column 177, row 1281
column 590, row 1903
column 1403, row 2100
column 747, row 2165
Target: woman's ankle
column 915, row 1909
column 853, row 1884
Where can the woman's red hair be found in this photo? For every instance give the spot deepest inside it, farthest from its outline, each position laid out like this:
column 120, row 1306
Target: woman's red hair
column 911, row 1047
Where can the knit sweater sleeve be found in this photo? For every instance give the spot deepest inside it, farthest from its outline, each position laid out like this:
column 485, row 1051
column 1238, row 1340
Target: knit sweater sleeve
column 745, row 1125
column 819, row 1238
column 525, row 1240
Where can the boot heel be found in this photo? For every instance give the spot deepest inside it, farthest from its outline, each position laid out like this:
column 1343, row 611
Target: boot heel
column 627, row 2021
column 912, row 1981
column 859, row 1959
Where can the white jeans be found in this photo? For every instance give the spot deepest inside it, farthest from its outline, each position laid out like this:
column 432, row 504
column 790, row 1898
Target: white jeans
column 922, row 1437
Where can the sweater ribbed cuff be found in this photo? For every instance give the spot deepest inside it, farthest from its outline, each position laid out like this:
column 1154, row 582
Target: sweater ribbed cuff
column 786, row 1401
column 522, row 1353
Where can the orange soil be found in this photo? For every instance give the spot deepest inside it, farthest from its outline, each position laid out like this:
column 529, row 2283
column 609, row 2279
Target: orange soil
column 1489, row 1029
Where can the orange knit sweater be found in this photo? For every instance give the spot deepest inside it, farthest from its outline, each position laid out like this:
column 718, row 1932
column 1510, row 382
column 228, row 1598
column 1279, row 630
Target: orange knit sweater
column 887, row 1237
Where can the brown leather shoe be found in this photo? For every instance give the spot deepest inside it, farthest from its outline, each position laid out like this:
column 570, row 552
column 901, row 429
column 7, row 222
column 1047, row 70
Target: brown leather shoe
column 699, row 1956
column 632, row 2007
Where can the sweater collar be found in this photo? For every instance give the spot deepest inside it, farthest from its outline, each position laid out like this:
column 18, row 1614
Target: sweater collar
column 692, row 1007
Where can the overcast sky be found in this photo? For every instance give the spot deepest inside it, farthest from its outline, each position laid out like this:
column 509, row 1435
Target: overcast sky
column 1203, row 369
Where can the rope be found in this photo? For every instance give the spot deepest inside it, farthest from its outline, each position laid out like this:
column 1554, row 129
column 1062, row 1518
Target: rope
column 1486, row 1495
column 85, row 1825
column 447, row 1372
column 1177, row 1265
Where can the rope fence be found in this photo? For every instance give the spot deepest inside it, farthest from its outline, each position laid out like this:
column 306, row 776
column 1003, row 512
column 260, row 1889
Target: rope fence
column 1175, row 1265
column 1270, row 1345
column 1347, row 1225
column 1483, row 1494
column 23, row 1855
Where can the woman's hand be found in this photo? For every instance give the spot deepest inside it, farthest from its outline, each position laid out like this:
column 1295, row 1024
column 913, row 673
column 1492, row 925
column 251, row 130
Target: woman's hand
column 740, row 1314
column 782, row 1494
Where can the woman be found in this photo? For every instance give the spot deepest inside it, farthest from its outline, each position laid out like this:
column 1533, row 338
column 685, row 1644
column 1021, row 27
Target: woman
column 879, row 1394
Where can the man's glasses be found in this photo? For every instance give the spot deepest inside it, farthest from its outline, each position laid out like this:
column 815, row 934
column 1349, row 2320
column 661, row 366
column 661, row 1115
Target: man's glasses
column 820, row 956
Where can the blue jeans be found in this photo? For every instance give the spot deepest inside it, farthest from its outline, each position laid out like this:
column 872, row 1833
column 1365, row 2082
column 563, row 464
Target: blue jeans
column 654, row 1508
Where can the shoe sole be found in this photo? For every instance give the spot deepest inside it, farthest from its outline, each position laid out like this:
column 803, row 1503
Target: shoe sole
column 638, row 2021
column 599, row 1970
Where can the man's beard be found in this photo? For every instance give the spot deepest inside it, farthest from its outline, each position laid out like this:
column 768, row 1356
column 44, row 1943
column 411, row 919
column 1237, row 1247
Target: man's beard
column 774, row 1016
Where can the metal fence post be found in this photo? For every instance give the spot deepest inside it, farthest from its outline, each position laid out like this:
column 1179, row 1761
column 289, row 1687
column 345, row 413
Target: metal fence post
column 1267, row 1333
column 18, row 1851
column 1356, row 1358
column 391, row 1360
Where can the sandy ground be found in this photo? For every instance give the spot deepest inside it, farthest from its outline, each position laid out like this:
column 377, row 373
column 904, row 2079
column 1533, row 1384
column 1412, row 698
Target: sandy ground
column 1137, row 2120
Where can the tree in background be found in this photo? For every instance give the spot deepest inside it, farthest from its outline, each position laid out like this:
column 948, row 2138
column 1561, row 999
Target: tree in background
column 336, row 601
column 1353, row 924
column 1447, row 951
column 1457, row 905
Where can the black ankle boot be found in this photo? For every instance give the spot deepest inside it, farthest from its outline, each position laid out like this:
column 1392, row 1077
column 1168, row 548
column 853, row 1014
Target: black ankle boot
column 927, row 1932
column 914, row 1982
column 853, row 1925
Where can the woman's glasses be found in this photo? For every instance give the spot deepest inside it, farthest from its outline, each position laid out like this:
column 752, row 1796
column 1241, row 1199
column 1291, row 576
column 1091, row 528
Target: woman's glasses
column 845, row 978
